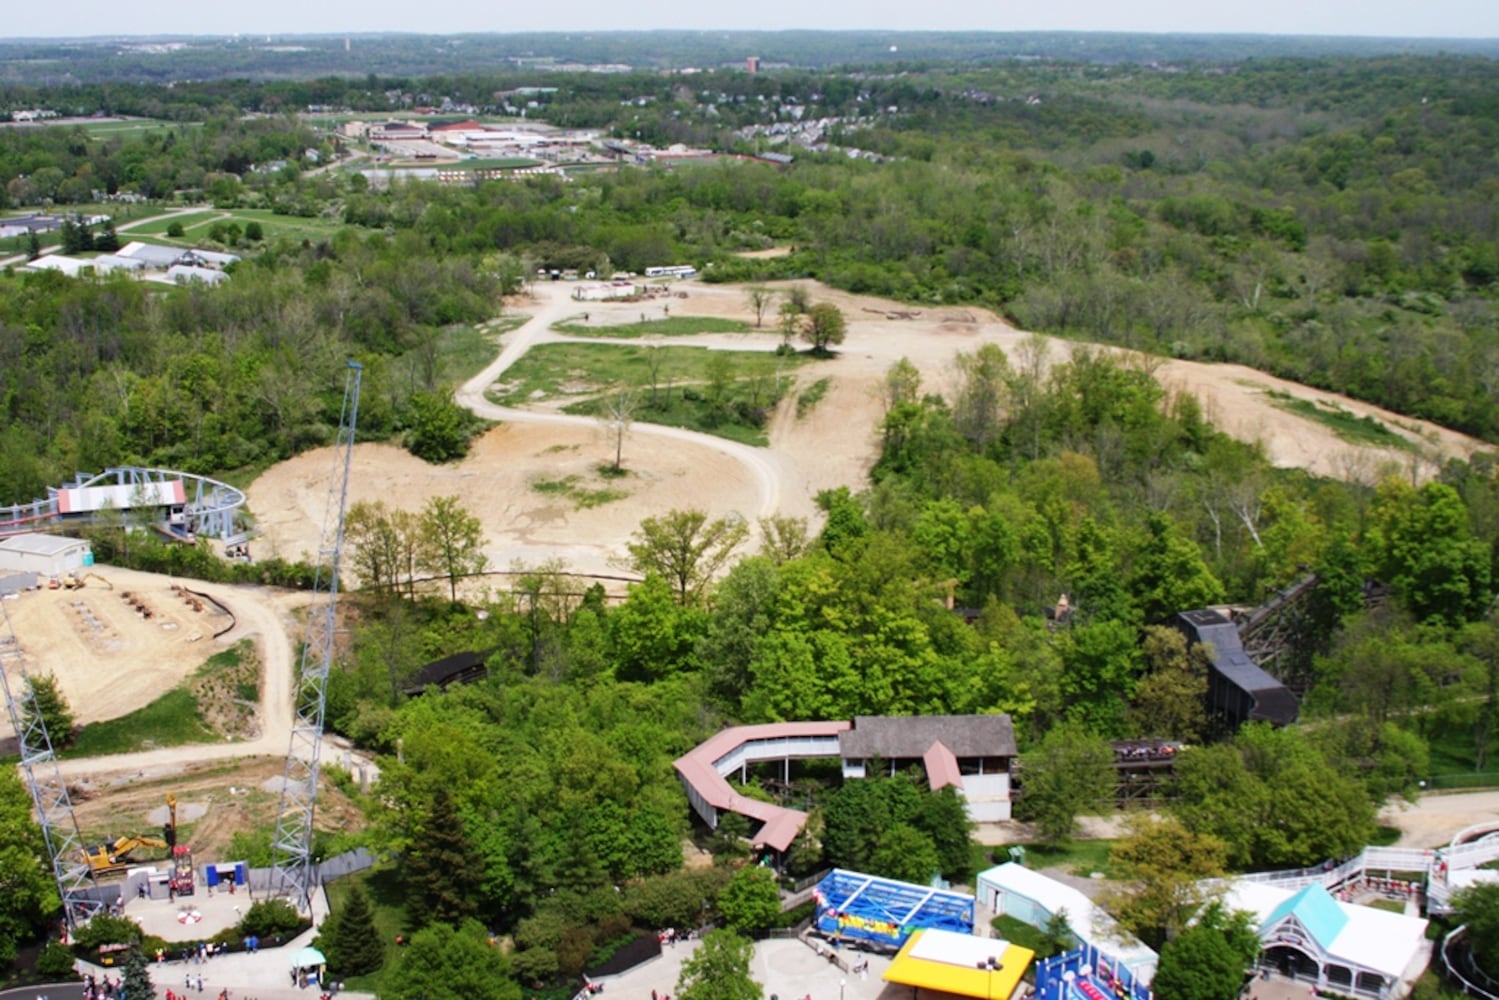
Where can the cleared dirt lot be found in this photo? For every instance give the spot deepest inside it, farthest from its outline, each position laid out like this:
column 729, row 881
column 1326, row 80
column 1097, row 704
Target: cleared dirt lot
column 835, row 444
column 108, row 657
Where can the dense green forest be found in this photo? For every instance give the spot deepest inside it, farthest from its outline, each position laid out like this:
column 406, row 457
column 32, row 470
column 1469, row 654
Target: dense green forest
column 1331, row 220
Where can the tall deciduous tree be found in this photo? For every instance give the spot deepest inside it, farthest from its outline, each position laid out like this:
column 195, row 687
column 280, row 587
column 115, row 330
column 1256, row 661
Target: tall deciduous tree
column 442, row 961
column 825, row 327
column 454, row 540
column 719, row 970
column 1160, row 868
column 1171, row 700
column 760, row 299
column 686, row 549
column 1069, row 772
column 1210, row 959
column 618, row 415
column 751, row 902
column 29, row 893
column 1478, row 907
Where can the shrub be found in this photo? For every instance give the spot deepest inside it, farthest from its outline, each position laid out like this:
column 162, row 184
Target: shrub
column 55, row 963
column 105, row 929
column 269, row 917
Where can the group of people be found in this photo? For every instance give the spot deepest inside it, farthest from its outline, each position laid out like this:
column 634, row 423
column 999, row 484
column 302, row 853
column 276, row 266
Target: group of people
column 102, row 988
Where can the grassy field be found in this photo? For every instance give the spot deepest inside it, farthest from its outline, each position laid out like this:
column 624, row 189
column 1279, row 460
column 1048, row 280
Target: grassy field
column 465, row 350
column 1454, row 761
column 197, row 225
column 133, row 128
column 725, row 393
column 673, row 326
column 1081, row 857
column 561, row 371
column 1351, row 428
column 170, row 721
column 497, row 163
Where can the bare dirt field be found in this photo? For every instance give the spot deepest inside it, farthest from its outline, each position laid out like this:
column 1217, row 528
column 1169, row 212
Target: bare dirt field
column 835, row 444
column 108, row 657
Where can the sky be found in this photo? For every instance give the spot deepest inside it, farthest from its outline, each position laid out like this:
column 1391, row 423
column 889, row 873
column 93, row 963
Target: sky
column 1389, row 18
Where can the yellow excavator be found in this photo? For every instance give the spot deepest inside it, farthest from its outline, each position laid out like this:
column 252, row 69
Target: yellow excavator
column 117, row 855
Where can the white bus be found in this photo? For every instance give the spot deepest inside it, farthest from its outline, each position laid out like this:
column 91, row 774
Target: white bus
column 673, row 271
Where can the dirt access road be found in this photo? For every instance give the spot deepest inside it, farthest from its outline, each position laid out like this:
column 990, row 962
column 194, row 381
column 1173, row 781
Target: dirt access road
column 834, row 445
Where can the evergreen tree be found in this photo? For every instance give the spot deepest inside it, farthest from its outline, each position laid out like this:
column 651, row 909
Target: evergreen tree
column 48, row 702
column 33, row 245
column 354, row 946
column 443, row 870
column 108, row 240
column 138, row 976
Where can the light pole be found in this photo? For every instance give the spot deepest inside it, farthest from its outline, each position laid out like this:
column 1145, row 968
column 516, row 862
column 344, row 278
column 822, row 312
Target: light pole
column 991, row 965
column 841, row 983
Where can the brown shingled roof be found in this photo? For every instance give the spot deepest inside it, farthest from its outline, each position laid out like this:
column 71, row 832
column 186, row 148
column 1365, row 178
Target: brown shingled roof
column 911, row 736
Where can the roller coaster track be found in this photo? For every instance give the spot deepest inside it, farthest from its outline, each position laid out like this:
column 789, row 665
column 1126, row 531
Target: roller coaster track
column 209, row 506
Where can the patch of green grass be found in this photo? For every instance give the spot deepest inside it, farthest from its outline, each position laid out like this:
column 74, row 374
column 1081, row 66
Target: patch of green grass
column 1384, row 836
column 670, row 326
column 582, row 497
column 170, row 721
column 496, row 163
column 1388, row 905
column 548, row 371
column 1018, row 932
column 807, row 400
column 226, row 659
column 197, row 226
column 1081, row 857
column 675, row 394
column 1454, row 761
column 158, row 227
column 563, row 485
column 387, row 900
column 133, row 128
column 463, row 351
column 1347, row 426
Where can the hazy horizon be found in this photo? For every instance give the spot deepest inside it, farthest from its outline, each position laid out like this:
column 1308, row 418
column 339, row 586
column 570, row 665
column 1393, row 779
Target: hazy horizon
column 1442, row 19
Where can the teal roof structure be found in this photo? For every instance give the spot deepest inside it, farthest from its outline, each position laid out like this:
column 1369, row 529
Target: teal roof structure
column 1316, row 911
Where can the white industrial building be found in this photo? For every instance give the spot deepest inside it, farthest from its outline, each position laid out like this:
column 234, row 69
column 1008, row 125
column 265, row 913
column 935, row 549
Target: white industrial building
column 44, row 555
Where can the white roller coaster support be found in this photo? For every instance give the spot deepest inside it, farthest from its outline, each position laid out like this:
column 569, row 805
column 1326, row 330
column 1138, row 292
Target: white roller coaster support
column 294, row 874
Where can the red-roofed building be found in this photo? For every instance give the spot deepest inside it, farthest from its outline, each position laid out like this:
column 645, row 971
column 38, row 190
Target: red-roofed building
column 972, row 753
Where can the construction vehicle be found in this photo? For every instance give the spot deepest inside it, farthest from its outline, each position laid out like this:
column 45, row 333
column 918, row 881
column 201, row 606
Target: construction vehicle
column 117, row 855
column 71, row 582
column 95, row 576
column 181, row 881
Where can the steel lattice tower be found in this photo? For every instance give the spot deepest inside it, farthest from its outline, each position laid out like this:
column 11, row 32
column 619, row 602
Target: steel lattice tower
column 291, row 845
column 49, row 793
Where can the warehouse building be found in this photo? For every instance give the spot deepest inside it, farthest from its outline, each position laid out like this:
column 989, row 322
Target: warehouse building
column 44, row 555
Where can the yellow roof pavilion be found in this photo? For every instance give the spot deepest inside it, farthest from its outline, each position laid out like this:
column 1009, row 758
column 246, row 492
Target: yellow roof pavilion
column 958, row 963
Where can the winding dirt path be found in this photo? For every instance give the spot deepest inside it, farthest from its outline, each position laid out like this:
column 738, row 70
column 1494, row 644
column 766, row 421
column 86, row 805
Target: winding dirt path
column 761, row 464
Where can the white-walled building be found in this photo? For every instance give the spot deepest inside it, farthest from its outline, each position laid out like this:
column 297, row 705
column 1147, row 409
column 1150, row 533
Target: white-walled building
column 44, row 555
